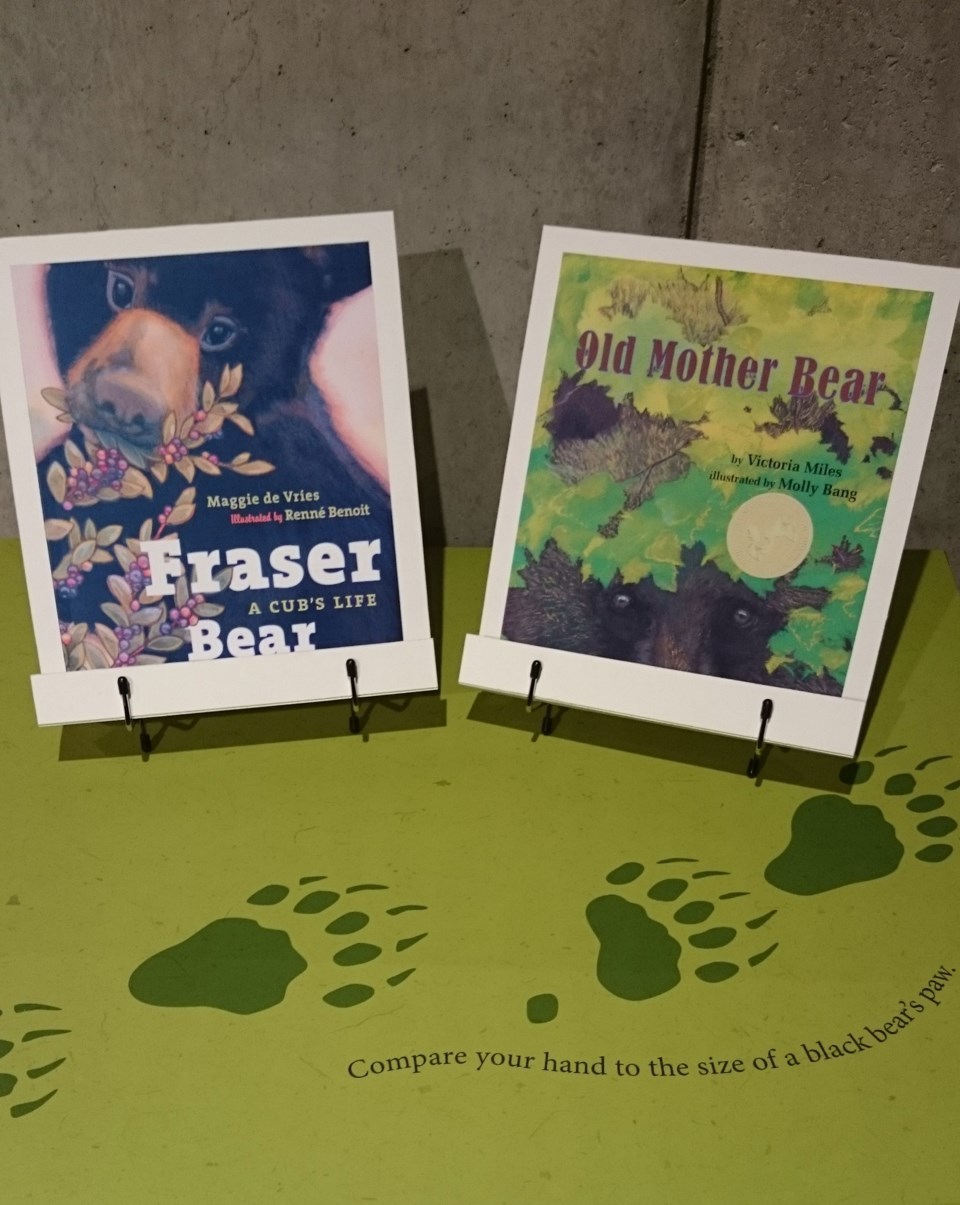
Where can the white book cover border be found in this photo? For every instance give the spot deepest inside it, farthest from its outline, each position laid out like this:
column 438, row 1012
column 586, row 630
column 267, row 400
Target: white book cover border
column 698, row 700
column 71, row 697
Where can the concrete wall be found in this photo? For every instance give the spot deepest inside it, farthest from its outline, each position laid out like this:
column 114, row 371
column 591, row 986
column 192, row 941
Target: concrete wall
column 834, row 127
column 824, row 125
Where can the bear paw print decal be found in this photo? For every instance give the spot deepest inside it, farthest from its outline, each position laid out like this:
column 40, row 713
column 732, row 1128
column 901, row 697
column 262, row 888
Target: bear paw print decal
column 30, row 1055
column 241, row 966
column 664, row 929
column 836, row 841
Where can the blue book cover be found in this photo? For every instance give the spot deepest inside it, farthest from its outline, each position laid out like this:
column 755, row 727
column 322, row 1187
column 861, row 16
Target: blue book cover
column 209, row 441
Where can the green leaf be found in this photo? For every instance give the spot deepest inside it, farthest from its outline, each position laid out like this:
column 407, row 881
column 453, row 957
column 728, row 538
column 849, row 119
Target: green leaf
column 95, row 654
column 206, row 466
column 57, row 529
column 120, row 589
column 116, row 614
column 180, row 514
column 185, row 467
column 253, row 468
column 60, row 573
column 236, row 379
column 165, row 644
column 131, row 454
column 108, row 639
column 207, row 610
column 57, row 481
column 135, row 483
column 58, row 399
column 109, row 535
column 241, row 421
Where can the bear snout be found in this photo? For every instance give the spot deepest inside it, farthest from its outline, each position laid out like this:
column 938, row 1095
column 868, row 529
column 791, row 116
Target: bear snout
column 123, row 402
column 141, row 368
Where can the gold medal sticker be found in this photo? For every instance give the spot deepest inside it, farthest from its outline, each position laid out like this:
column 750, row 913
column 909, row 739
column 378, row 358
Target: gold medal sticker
column 769, row 535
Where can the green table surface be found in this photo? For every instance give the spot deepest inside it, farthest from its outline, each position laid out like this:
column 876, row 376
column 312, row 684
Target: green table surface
column 641, row 978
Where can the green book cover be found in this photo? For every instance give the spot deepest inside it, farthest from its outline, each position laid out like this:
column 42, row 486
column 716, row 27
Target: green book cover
column 711, row 464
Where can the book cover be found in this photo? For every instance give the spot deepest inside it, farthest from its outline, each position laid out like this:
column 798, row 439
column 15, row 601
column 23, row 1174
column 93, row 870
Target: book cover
column 208, row 443
column 712, row 453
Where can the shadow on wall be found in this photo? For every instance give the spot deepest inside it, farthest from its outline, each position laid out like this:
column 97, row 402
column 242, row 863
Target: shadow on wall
column 460, row 415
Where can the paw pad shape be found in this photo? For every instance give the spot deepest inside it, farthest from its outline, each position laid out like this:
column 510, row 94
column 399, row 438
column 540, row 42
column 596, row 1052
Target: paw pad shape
column 835, row 841
column 237, row 965
column 644, row 946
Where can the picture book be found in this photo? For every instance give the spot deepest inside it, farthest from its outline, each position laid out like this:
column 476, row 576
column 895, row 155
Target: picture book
column 212, row 443
column 712, row 455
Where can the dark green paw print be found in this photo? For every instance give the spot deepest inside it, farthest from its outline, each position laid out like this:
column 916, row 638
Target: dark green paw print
column 645, row 948
column 836, row 841
column 237, row 965
column 27, row 1057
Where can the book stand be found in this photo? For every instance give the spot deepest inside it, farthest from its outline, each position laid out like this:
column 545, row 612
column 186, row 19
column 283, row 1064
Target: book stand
column 546, row 724
column 422, row 679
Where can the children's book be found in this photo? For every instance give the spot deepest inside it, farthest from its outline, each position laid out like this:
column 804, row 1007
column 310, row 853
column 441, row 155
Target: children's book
column 212, row 463
column 714, row 456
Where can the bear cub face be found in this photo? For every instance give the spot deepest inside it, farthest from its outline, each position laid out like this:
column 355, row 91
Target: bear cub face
column 137, row 339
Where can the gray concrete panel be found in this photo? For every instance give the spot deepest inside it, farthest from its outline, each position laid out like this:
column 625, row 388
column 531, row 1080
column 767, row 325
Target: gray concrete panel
column 476, row 122
column 836, row 127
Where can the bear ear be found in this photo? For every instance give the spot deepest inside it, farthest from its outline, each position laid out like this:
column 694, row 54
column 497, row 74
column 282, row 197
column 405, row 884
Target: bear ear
column 344, row 268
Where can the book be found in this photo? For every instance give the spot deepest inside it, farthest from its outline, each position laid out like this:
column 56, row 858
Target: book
column 713, row 460
column 212, row 463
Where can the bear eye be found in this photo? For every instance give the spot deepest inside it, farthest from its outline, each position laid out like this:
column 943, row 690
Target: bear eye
column 120, row 291
column 743, row 617
column 219, row 334
column 621, row 602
